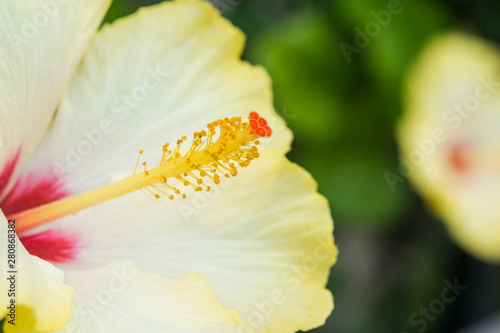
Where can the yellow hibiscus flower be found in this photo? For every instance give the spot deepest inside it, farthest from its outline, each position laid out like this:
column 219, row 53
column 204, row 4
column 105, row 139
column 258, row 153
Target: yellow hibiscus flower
column 449, row 137
column 252, row 254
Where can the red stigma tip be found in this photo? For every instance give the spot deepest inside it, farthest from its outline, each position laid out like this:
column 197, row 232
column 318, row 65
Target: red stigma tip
column 254, row 115
column 254, row 123
column 261, row 131
column 259, row 125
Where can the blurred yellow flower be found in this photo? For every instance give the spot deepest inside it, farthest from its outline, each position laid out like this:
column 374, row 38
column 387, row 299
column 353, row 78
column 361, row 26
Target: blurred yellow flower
column 252, row 256
column 450, row 139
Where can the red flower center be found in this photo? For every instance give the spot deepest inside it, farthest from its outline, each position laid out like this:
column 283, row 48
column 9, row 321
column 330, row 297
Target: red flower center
column 33, row 191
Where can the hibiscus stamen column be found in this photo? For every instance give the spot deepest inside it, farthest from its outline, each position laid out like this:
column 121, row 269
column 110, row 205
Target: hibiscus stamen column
column 213, row 154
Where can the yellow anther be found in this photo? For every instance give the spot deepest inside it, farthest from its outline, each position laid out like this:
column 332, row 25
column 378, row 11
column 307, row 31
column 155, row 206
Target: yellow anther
column 138, row 158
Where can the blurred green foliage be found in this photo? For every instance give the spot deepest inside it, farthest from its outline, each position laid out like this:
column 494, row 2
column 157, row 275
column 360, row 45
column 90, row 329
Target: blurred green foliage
column 342, row 111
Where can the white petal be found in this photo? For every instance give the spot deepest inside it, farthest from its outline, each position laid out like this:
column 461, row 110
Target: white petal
column 119, row 298
column 453, row 91
column 147, row 79
column 263, row 240
column 42, row 301
column 41, row 43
